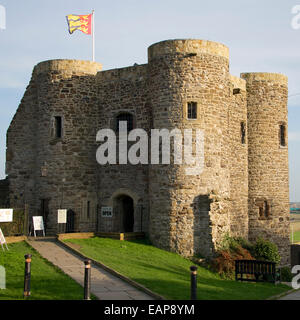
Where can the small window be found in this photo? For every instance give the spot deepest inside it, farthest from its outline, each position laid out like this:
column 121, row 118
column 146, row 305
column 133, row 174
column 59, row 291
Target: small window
column 282, row 135
column 88, row 209
column 192, row 110
column 58, row 127
column 125, row 117
column 243, row 132
column 264, row 207
column 267, row 209
column 236, row 91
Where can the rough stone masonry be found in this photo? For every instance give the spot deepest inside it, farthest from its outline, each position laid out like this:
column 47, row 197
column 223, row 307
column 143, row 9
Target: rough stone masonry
column 243, row 190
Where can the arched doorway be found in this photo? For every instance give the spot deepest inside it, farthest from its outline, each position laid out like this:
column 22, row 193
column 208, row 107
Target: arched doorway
column 125, row 205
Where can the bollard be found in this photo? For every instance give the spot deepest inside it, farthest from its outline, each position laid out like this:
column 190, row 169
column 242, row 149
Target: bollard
column 27, row 276
column 87, row 280
column 193, row 282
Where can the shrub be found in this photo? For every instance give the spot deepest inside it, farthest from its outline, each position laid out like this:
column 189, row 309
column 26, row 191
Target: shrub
column 244, row 243
column 230, row 249
column 232, row 243
column 286, row 274
column 224, row 263
column 265, row 250
column 228, row 243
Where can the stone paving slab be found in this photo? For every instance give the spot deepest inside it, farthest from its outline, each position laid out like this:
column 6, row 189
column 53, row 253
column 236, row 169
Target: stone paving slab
column 103, row 285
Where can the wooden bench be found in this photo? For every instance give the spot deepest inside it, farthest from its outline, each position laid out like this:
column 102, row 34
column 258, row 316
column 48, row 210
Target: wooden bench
column 257, row 268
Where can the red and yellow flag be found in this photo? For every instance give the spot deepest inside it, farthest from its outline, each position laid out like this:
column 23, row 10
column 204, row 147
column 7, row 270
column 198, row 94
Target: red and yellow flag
column 80, row 22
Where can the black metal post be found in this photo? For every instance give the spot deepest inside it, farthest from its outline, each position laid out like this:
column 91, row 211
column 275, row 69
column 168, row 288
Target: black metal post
column 27, row 276
column 87, row 280
column 193, row 282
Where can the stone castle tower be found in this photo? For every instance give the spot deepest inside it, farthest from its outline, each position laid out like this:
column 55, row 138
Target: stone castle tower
column 243, row 189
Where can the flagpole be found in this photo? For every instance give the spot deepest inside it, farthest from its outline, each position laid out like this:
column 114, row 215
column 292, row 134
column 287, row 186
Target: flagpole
column 93, row 36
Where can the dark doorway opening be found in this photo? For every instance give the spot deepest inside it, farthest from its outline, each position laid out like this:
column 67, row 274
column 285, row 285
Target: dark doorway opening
column 128, row 214
column 70, row 227
column 126, row 211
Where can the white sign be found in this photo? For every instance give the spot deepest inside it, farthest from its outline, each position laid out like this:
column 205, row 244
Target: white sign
column 38, row 224
column 6, row 215
column 107, row 212
column 62, row 216
column 2, row 240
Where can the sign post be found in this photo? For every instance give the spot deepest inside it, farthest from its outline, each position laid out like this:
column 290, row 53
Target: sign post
column 107, row 212
column 38, row 225
column 2, row 240
column 6, row 215
column 61, row 219
column 62, row 216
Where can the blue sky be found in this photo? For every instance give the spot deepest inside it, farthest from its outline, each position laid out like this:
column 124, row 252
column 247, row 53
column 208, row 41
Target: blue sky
column 258, row 34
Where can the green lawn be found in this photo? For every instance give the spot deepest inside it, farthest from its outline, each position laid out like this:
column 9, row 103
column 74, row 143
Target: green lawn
column 296, row 236
column 168, row 273
column 47, row 281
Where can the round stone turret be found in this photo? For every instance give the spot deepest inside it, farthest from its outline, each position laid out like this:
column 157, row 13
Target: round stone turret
column 189, row 83
column 267, row 95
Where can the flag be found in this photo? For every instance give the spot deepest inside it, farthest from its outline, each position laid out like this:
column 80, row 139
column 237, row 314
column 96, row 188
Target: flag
column 80, row 22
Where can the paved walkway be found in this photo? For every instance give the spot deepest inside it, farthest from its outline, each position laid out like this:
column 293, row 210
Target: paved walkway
column 103, row 285
column 291, row 296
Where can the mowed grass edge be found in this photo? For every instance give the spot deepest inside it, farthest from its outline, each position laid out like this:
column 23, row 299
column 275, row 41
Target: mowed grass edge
column 168, row 273
column 48, row 282
column 296, row 237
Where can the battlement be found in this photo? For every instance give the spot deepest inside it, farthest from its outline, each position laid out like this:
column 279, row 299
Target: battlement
column 265, row 76
column 193, row 46
column 137, row 72
column 68, row 67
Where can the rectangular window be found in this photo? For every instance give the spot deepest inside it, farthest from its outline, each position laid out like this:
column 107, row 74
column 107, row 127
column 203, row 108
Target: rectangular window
column 58, row 127
column 282, row 135
column 264, row 207
column 192, row 110
column 243, row 132
column 88, row 209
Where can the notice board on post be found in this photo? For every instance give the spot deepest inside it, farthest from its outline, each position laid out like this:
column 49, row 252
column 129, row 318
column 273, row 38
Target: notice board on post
column 2, row 240
column 6, row 215
column 38, row 225
column 107, row 212
column 62, row 216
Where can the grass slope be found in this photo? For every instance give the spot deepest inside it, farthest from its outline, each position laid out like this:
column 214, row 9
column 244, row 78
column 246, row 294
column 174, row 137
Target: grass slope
column 47, row 281
column 296, row 236
column 168, row 273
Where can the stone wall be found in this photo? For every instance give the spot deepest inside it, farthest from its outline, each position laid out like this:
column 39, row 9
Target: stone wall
column 238, row 158
column 60, row 170
column 190, row 214
column 268, row 160
column 4, row 193
column 245, row 170
column 123, row 91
